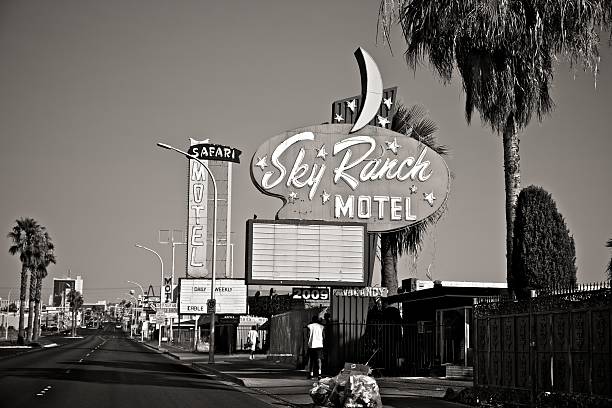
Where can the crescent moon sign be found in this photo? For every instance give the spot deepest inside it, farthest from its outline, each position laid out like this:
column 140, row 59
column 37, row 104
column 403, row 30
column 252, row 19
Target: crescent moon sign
column 371, row 89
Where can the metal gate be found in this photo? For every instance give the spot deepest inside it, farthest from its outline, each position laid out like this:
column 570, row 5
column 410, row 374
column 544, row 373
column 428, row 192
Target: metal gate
column 556, row 341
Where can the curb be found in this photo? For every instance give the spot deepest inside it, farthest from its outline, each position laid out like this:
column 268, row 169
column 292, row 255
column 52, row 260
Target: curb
column 218, row 373
column 240, row 382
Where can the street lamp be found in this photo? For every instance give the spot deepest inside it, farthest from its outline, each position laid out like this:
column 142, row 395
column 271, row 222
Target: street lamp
column 211, row 353
column 160, row 286
column 133, row 320
column 139, row 285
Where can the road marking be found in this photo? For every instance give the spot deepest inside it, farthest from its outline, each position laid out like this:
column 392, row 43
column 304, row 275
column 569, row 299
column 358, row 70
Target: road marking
column 43, row 391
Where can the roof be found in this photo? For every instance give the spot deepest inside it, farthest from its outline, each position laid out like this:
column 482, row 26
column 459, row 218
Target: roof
column 445, row 292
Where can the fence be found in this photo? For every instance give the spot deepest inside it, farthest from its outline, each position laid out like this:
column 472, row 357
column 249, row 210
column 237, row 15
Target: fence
column 558, row 340
column 389, row 348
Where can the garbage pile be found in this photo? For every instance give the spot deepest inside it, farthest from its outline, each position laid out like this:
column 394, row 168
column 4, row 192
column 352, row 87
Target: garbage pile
column 351, row 388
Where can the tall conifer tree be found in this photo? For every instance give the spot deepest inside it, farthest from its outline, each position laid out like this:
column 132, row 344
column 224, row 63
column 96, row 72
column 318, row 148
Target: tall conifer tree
column 544, row 254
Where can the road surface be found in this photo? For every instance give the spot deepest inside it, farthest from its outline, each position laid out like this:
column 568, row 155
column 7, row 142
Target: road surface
column 106, row 369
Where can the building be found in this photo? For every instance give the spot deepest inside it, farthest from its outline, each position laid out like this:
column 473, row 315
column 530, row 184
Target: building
column 444, row 310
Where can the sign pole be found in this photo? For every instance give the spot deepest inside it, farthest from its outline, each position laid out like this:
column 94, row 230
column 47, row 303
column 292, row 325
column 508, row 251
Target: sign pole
column 211, row 353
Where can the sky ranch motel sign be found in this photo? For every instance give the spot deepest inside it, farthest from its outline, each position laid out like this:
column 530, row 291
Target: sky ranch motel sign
column 373, row 175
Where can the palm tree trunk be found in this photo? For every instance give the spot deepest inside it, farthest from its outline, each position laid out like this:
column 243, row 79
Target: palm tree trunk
column 512, row 178
column 37, row 309
column 74, row 322
column 31, row 312
column 389, row 264
column 22, row 298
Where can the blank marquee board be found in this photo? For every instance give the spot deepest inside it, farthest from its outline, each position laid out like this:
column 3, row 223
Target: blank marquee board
column 306, row 253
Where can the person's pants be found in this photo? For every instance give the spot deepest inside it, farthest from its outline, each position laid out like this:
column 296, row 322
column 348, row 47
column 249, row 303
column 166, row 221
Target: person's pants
column 315, row 355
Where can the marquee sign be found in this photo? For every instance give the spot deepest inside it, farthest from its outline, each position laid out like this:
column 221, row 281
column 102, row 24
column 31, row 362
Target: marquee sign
column 230, row 296
column 373, row 175
column 305, row 253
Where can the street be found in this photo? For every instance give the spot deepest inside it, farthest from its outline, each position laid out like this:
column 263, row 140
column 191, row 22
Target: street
column 106, row 369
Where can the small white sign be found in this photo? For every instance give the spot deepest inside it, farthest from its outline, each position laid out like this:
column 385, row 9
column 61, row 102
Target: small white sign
column 362, row 292
column 230, row 296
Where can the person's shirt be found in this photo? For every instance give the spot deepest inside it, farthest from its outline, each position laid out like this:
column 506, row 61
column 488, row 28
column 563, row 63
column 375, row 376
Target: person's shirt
column 253, row 336
column 315, row 335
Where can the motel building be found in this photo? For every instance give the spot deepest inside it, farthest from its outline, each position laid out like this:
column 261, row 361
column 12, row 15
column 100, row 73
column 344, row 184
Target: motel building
column 442, row 312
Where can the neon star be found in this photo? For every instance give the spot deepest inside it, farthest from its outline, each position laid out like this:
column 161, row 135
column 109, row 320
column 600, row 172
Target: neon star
column 383, row 121
column 261, row 162
column 352, row 105
column 429, row 198
column 194, row 141
column 339, row 118
column 321, row 152
column 387, row 102
column 292, row 197
column 393, row 146
column 325, row 196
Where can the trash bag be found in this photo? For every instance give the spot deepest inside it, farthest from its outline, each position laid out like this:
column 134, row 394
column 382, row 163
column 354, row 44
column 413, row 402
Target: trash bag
column 350, row 391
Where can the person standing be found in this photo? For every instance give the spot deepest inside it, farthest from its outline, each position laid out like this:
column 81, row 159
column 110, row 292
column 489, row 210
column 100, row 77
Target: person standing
column 315, row 346
column 252, row 341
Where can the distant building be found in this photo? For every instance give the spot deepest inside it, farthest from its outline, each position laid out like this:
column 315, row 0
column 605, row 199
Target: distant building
column 61, row 287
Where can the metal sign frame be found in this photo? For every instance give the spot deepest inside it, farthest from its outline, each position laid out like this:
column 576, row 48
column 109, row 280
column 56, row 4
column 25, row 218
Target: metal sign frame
column 294, row 282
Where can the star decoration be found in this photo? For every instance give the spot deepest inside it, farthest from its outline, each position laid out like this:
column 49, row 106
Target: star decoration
column 339, row 118
column 413, row 189
column 352, row 105
column 261, row 162
column 325, row 196
column 292, row 197
column 393, row 146
column 383, row 121
column 321, row 152
column 429, row 198
column 194, row 141
column 387, row 102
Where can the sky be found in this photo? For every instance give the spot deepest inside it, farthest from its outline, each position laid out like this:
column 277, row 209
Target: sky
column 89, row 87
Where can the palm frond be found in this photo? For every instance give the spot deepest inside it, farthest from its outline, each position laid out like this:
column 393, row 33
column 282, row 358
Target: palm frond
column 503, row 50
column 414, row 123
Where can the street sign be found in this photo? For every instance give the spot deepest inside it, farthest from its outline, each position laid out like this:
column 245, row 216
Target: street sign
column 169, row 307
column 211, row 305
column 160, row 316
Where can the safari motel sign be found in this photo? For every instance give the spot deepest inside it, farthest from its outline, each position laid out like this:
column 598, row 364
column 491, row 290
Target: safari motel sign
column 353, row 172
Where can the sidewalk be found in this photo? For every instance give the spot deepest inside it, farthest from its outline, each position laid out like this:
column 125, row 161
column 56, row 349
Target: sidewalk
column 289, row 385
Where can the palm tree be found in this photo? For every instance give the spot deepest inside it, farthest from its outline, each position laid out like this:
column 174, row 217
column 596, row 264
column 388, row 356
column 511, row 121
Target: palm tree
column 24, row 236
column 37, row 268
column 414, row 123
column 504, row 53
column 41, row 273
column 76, row 302
column 609, row 268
